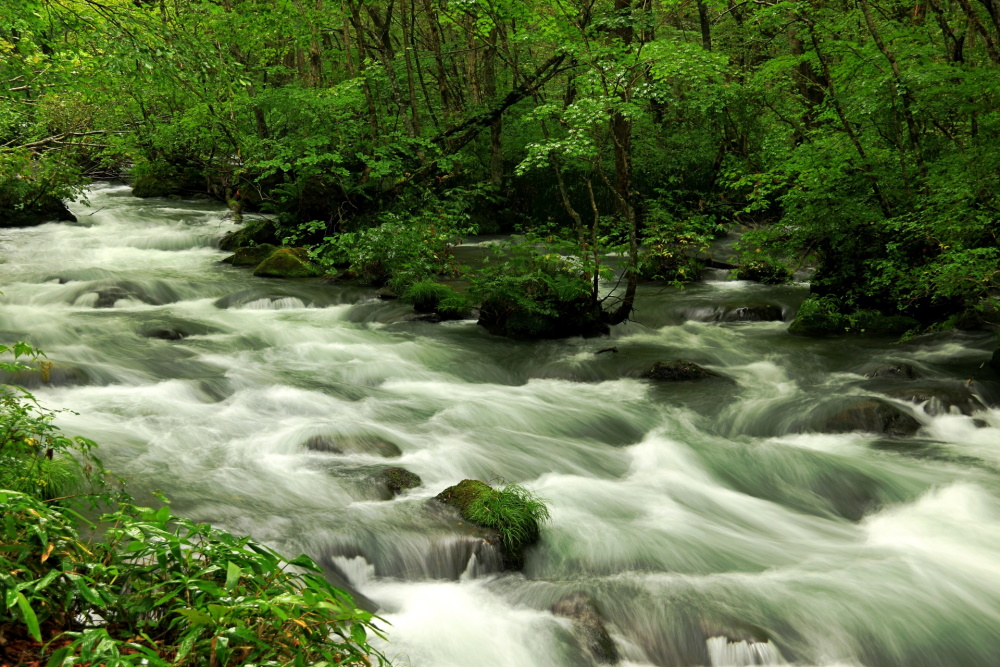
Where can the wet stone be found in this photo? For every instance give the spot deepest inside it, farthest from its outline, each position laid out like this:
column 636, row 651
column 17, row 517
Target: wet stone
column 681, row 371
column 588, row 622
column 893, row 371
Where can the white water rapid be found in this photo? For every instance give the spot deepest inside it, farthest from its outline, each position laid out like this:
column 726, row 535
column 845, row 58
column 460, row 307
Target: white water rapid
column 713, row 523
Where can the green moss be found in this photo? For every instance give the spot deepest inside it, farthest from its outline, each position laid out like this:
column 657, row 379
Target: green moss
column 252, row 256
column 287, row 263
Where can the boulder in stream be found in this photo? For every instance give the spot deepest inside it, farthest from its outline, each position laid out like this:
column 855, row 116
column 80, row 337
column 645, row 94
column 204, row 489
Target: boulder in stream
column 395, row 480
column 250, row 256
column 872, row 415
column 995, row 360
column 513, row 529
column 253, row 233
column 287, row 263
column 753, row 312
column 939, row 399
column 353, row 444
column 681, row 371
column 898, row 371
column 587, row 619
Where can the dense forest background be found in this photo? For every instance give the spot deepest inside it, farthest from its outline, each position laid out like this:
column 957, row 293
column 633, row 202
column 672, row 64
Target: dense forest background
column 858, row 137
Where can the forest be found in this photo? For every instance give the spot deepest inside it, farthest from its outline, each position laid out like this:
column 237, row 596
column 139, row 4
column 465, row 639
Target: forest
column 856, row 139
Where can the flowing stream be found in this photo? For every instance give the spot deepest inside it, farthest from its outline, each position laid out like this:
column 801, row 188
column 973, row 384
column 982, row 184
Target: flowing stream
column 714, row 523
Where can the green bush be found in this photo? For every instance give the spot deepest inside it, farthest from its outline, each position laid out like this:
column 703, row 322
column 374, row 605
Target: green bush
column 530, row 293
column 763, row 271
column 455, row 306
column 157, row 589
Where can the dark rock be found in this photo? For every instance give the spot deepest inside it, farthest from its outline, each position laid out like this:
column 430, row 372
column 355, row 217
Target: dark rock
column 871, row 415
column 395, row 480
column 763, row 312
column 251, row 256
column 253, row 233
column 387, row 294
column 588, row 621
column 353, row 444
column 939, row 400
column 46, row 209
column 287, row 263
column 681, row 371
column 432, row 318
column 900, row 371
column 995, row 360
column 165, row 334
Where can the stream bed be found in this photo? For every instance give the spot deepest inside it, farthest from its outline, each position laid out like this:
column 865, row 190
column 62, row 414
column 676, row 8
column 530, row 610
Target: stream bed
column 722, row 523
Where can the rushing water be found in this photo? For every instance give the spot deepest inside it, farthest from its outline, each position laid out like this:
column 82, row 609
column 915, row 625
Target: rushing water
column 713, row 523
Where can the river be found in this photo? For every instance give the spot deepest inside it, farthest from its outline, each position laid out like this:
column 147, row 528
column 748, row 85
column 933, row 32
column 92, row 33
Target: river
column 712, row 522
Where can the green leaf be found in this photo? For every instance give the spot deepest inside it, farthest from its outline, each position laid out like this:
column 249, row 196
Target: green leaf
column 29, row 617
column 233, row 573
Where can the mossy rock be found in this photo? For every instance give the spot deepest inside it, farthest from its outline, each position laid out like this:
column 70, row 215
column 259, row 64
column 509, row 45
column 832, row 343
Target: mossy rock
column 288, row 263
column 251, row 256
column 46, row 209
column 817, row 324
column 817, row 317
column 253, row 233
column 513, row 514
column 564, row 319
column 876, row 324
column 396, row 480
column 462, row 494
column 681, row 371
column 426, row 295
column 454, row 307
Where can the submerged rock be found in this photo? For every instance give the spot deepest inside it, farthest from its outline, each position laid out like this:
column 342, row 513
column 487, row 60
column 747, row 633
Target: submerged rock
column 587, row 619
column 353, row 444
column 288, row 263
column 995, row 360
column 251, row 256
column 758, row 312
column 681, row 371
column 395, row 480
column 896, row 371
column 871, row 415
column 939, row 400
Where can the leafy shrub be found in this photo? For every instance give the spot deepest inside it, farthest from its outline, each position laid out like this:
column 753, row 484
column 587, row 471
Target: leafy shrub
column 822, row 316
column 763, row 271
column 455, row 306
column 156, row 589
column 513, row 511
